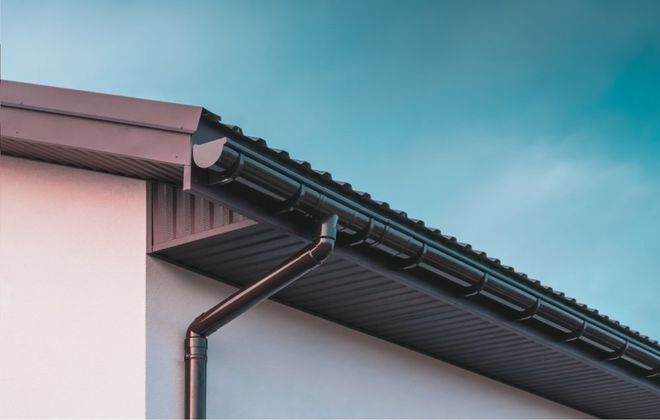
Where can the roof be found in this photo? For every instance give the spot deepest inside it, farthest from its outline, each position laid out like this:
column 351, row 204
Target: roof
column 557, row 347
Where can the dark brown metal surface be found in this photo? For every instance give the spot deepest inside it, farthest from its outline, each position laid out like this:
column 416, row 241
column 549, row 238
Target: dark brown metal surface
column 196, row 359
column 224, row 312
column 264, row 189
column 211, row 128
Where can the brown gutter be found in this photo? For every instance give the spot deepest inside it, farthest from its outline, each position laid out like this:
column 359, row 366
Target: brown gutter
column 232, row 172
column 210, row 321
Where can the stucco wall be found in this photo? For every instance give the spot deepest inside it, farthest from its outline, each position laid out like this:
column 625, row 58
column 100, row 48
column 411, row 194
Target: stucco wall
column 72, row 294
column 277, row 362
column 72, row 307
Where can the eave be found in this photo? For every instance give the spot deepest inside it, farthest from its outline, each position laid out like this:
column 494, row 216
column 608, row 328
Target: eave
column 510, row 327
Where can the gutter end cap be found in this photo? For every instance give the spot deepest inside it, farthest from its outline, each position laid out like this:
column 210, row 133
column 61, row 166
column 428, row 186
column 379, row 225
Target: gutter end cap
column 207, row 154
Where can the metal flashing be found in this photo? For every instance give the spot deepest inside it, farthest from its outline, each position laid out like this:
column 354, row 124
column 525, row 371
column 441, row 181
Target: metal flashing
column 99, row 106
column 126, row 136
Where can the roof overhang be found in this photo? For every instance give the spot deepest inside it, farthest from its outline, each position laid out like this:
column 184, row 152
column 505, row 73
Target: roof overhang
column 127, row 136
column 393, row 277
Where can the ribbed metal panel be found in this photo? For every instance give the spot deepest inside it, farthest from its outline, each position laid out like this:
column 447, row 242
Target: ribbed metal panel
column 105, row 162
column 357, row 297
column 178, row 215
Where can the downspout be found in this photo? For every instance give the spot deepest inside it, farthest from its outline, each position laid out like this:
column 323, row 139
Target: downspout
column 210, row 321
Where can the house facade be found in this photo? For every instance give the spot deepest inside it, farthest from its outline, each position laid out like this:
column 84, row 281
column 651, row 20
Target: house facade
column 123, row 220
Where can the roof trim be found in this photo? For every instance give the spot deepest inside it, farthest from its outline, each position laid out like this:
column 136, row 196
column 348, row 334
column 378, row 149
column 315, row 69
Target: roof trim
column 94, row 135
column 100, row 106
column 127, row 136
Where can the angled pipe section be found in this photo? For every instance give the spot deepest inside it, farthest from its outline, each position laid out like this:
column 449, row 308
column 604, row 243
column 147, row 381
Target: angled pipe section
column 210, row 321
column 237, row 169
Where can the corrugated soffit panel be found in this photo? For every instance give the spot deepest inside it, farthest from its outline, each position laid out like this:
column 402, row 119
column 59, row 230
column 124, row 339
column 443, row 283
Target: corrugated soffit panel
column 239, row 251
column 181, row 218
column 85, row 159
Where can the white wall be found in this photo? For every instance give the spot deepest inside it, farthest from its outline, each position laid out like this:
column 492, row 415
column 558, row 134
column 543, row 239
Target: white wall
column 277, row 362
column 72, row 298
column 72, row 322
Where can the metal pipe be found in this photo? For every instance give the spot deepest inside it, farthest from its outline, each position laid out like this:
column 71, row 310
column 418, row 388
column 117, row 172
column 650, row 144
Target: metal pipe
column 210, row 321
column 195, row 393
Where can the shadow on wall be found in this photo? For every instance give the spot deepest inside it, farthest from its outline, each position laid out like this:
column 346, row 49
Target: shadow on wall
column 277, row 362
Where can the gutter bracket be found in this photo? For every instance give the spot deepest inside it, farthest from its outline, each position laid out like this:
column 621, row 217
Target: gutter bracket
column 290, row 204
column 577, row 334
column 617, row 354
column 529, row 312
column 414, row 261
column 476, row 289
column 361, row 236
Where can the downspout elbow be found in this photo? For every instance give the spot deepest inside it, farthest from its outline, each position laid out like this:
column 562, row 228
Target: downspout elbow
column 325, row 242
column 196, row 343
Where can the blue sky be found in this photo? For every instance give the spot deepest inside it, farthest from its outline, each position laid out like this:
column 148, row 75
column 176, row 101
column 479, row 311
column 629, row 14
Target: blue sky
column 529, row 129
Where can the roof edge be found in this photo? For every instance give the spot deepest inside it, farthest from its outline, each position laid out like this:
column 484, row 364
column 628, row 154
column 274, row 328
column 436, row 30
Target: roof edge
column 259, row 146
column 248, row 165
column 100, row 106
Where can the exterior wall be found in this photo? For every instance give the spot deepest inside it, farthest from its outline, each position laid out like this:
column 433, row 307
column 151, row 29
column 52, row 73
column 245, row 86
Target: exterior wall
column 72, row 294
column 277, row 362
column 72, row 306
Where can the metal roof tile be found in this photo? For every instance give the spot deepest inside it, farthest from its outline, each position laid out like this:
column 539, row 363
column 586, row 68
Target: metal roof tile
column 418, row 222
column 344, row 185
column 400, row 213
column 303, row 163
column 382, row 204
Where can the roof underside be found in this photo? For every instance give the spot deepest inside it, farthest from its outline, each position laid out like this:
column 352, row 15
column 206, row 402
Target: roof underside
column 219, row 243
column 152, row 140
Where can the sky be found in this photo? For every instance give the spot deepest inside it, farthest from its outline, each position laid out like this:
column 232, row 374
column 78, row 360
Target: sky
column 529, row 129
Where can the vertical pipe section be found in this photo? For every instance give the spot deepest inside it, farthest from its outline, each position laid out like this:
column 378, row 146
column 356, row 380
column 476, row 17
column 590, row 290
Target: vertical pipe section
column 210, row 321
column 195, row 346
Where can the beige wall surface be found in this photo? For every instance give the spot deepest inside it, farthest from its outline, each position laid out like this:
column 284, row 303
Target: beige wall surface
column 277, row 362
column 72, row 293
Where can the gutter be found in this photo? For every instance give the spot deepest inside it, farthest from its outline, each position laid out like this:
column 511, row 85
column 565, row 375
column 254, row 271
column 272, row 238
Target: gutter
column 228, row 171
column 207, row 323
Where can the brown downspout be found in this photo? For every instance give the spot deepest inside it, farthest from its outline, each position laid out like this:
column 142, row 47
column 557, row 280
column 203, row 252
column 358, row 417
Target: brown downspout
column 208, row 322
